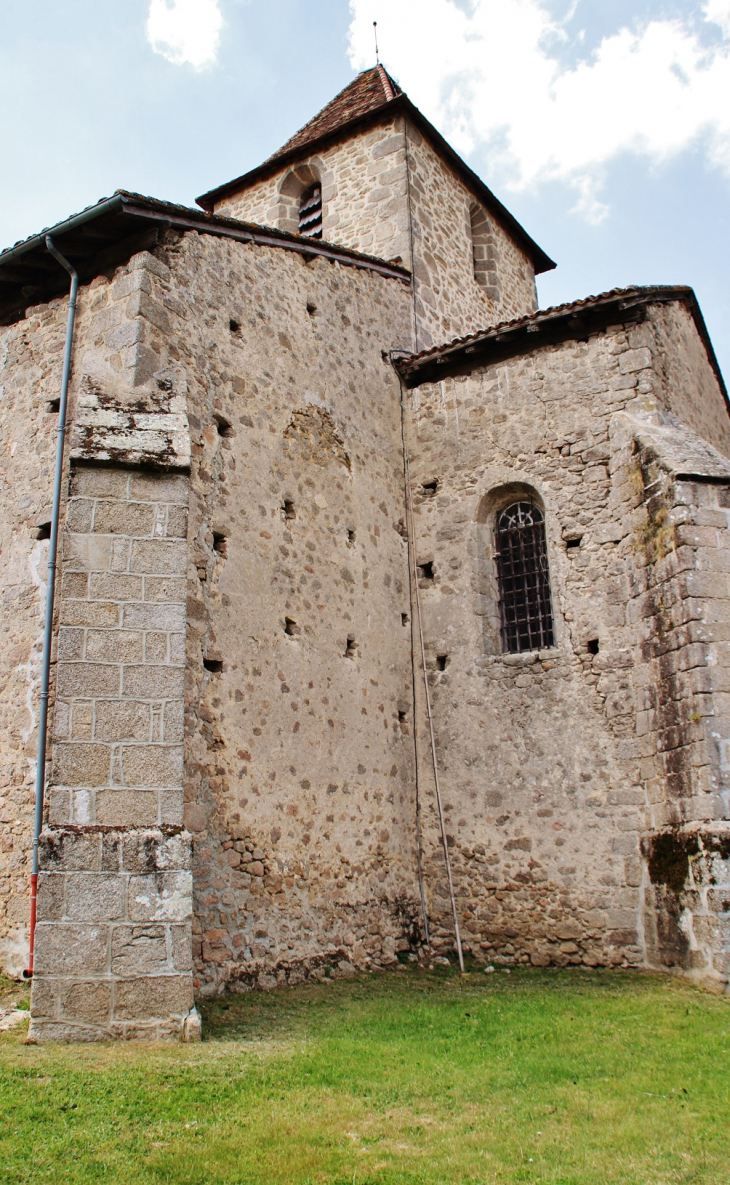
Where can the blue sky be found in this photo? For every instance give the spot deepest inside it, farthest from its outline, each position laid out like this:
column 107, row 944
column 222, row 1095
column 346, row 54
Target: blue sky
column 604, row 125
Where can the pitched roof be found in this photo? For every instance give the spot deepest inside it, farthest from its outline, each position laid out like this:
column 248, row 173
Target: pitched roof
column 557, row 323
column 365, row 96
column 370, row 91
column 371, row 96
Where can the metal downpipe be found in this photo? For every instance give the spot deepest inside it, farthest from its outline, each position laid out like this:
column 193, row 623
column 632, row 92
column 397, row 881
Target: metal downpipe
column 40, row 778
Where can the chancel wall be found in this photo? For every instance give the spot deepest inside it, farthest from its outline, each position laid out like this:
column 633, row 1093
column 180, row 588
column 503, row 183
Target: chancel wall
column 566, row 770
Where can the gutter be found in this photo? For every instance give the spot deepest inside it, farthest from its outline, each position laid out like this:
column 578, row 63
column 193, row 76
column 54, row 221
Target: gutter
column 126, row 215
column 40, row 777
column 109, row 206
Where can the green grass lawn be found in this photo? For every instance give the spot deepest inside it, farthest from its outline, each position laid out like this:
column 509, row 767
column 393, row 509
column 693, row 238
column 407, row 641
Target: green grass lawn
column 570, row 1077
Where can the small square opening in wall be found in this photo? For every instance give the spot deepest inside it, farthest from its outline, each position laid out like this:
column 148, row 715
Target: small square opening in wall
column 350, row 537
column 441, row 662
column 311, row 308
column 220, row 544
column 404, row 619
column 403, row 720
column 43, row 531
column 425, row 571
column 574, row 541
column 224, row 428
column 430, row 488
column 592, row 646
column 291, row 628
column 351, row 650
column 214, row 665
column 53, row 405
column 234, row 325
column 288, row 509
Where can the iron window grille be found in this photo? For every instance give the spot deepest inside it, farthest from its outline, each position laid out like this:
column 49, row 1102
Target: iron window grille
column 310, row 213
column 524, row 579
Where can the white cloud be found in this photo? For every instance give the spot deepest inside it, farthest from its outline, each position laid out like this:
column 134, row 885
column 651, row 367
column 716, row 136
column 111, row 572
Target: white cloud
column 185, row 31
column 488, row 76
column 718, row 11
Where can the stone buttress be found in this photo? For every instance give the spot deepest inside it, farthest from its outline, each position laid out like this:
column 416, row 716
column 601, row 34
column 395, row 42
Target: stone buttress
column 113, row 940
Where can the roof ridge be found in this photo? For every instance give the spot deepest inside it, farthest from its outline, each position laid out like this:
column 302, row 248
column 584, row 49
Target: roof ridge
column 385, row 79
column 357, row 91
column 364, row 99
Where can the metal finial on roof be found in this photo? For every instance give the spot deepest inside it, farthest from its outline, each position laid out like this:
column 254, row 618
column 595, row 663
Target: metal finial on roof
column 375, row 33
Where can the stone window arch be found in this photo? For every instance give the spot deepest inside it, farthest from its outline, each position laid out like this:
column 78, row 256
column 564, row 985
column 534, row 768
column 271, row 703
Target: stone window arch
column 525, row 604
column 296, row 190
column 513, row 572
column 484, row 251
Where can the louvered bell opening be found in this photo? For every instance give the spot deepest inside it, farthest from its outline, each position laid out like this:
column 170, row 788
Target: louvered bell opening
column 310, row 213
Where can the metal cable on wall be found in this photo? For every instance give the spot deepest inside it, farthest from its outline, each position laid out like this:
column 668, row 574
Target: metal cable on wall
column 418, row 625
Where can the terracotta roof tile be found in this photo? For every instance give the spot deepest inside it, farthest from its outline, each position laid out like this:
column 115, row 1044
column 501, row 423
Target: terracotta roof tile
column 519, row 336
column 550, row 313
column 368, row 92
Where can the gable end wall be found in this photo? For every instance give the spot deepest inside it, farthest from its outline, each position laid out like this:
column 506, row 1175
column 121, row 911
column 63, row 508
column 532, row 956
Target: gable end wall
column 368, row 182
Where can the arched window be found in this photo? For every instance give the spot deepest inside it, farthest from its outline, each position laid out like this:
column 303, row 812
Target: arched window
column 310, row 212
column 524, row 580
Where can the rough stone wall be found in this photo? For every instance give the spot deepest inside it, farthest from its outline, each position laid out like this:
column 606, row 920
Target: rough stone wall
column 450, row 301
column 678, row 610
column 367, row 185
column 292, row 803
column 364, row 194
column 689, row 385
column 126, row 402
column 113, row 945
column 299, row 749
column 548, row 766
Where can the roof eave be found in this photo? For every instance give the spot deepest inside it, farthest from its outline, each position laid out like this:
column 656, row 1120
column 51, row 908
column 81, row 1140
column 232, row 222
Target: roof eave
column 550, row 326
column 131, row 222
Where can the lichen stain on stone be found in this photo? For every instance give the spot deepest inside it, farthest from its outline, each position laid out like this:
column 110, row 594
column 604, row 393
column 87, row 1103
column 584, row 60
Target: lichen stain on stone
column 312, row 433
column 121, row 445
column 668, row 858
column 668, row 855
column 679, row 863
column 141, row 426
column 656, row 538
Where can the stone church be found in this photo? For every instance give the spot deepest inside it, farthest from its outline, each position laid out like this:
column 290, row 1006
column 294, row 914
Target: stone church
column 392, row 613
